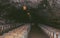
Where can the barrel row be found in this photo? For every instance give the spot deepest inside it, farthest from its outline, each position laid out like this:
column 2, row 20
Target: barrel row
column 8, row 27
column 21, row 32
column 51, row 32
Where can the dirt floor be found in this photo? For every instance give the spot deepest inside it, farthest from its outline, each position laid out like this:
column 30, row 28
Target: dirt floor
column 36, row 32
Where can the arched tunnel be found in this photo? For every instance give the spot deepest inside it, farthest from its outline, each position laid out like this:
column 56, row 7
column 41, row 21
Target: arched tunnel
column 41, row 16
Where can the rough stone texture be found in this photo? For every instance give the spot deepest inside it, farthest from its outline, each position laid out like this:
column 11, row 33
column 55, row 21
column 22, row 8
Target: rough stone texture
column 55, row 8
column 30, row 3
column 49, row 12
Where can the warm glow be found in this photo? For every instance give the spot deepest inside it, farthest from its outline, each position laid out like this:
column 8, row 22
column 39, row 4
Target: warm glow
column 24, row 8
column 28, row 13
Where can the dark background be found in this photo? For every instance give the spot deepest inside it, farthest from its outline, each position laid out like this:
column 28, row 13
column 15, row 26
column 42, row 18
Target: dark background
column 48, row 14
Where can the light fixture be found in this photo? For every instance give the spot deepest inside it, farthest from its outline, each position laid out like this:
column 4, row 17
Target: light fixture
column 24, row 7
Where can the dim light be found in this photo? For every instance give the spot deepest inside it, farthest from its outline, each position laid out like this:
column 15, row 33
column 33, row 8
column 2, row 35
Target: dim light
column 24, row 8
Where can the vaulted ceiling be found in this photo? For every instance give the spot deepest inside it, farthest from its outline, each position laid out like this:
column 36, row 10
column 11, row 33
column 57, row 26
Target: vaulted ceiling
column 46, row 11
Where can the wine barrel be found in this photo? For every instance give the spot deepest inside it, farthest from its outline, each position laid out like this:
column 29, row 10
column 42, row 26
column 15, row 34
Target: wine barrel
column 8, row 27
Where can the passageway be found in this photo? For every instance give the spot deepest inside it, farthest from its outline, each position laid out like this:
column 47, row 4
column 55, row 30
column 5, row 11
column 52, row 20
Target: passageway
column 37, row 32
